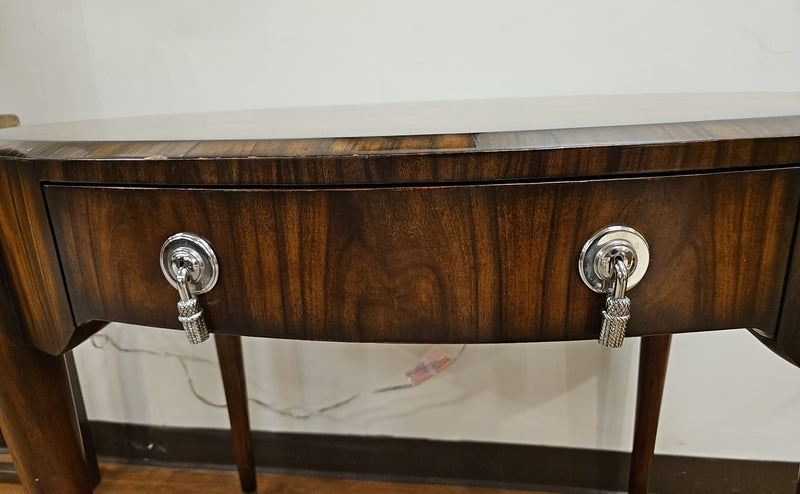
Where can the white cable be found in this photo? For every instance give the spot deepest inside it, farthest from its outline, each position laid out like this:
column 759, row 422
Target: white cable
column 101, row 340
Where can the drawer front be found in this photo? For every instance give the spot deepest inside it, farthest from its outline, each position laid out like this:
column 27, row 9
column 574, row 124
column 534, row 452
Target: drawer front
column 482, row 263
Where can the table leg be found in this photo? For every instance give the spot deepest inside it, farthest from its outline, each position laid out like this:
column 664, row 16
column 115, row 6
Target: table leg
column 89, row 451
column 653, row 358
column 231, row 363
column 798, row 483
column 38, row 420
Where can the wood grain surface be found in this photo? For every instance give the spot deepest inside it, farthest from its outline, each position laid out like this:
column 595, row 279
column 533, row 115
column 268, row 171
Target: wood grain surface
column 452, row 237
column 31, row 260
column 129, row 479
column 435, row 264
column 787, row 343
column 37, row 415
column 528, row 155
column 570, row 154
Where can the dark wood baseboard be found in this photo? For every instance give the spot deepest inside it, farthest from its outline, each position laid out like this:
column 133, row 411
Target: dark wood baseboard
column 513, row 466
column 7, row 473
column 510, row 466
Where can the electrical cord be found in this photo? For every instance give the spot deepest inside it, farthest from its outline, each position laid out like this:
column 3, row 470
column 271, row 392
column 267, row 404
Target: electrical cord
column 102, row 340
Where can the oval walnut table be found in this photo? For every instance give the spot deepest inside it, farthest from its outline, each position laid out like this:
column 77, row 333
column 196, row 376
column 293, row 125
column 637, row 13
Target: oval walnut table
column 366, row 224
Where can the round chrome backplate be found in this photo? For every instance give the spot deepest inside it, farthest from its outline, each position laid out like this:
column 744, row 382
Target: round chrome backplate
column 610, row 242
column 193, row 252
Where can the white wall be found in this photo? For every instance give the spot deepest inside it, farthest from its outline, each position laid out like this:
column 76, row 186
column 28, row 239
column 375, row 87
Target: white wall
column 726, row 395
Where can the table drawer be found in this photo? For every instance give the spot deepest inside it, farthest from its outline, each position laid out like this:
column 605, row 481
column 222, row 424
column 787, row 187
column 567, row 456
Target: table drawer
column 424, row 264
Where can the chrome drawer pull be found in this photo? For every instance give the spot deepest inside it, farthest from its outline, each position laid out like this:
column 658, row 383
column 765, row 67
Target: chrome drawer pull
column 618, row 309
column 613, row 261
column 190, row 265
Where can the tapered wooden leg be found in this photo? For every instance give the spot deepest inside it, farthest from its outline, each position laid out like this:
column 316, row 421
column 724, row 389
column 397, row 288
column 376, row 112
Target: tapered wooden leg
column 798, row 483
column 653, row 358
column 229, row 351
column 39, row 423
column 37, row 415
column 83, row 421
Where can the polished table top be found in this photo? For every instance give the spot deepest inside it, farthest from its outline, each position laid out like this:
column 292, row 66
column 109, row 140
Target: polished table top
column 428, row 118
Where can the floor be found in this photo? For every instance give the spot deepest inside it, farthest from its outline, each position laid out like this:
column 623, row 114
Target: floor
column 131, row 479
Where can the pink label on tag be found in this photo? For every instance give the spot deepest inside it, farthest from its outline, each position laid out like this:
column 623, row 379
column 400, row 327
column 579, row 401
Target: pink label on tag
column 434, row 362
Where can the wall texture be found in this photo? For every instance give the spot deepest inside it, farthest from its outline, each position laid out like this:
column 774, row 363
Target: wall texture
column 80, row 59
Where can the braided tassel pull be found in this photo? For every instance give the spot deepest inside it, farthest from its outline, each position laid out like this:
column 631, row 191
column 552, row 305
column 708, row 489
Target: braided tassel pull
column 615, row 321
